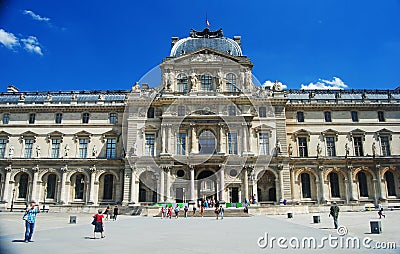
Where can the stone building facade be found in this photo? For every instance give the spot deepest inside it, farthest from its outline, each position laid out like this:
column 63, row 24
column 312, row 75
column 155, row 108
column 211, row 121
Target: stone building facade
column 206, row 131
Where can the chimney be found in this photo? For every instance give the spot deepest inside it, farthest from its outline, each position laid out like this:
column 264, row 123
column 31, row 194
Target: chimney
column 237, row 39
column 174, row 40
column 12, row 89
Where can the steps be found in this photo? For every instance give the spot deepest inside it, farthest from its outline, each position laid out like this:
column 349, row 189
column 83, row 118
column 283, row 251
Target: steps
column 228, row 212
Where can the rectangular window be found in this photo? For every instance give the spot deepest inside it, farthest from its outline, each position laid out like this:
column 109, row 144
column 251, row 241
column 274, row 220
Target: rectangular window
column 385, row 146
column 263, row 140
column 59, row 118
column 3, row 144
column 149, row 145
column 300, row 117
column 28, row 148
column 85, row 118
column 330, row 146
column 303, row 151
column 381, row 116
column 354, row 116
column 262, row 112
column 181, row 143
column 6, row 118
column 113, row 118
column 231, row 110
column 181, row 111
column 206, row 83
column 83, row 147
column 358, row 146
column 327, row 116
column 32, row 118
column 55, row 147
column 111, row 148
column 182, row 83
column 232, row 143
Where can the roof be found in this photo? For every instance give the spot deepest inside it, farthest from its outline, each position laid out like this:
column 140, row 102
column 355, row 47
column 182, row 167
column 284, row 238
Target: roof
column 206, row 39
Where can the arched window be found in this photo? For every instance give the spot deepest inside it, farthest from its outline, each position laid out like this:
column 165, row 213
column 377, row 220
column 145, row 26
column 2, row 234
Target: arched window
column 206, row 83
column 231, row 82
column 182, row 83
column 51, row 186
column 305, row 185
column 23, row 186
column 391, row 188
column 207, row 142
column 362, row 184
column 108, row 186
column 334, row 183
column 79, row 186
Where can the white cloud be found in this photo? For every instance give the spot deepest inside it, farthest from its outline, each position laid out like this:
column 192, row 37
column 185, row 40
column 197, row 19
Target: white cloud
column 270, row 84
column 35, row 16
column 323, row 84
column 32, row 44
column 8, row 39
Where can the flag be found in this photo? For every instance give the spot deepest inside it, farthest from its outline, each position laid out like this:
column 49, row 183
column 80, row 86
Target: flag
column 207, row 23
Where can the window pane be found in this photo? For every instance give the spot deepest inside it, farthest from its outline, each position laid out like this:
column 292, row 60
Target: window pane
column 83, row 146
column 6, row 118
column 381, row 116
column 231, row 110
column 181, row 111
column 113, row 118
column 150, row 113
column 231, row 82
column 358, row 146
column 327, row 116
column 28, row 148
column 181, row 144
column 385, row 146
column 334, row 184
column 207, row 142
column 79, row 186
column 51, row 186
column 3, row 144
column 305, row 185
column 262, row 112
column 206, row 83
column 362, row 184
column 23, row 186
column 330, row 146
column 32, row 118
column 354, row 116
column 300, row 117
column 108, row 186
column 390, row 183
column 303, row 151
column 182, row 83
column 111, row 148
column 55, row 148
column 264, row 143
column 85, row 118
column 232, row 143
column 149, row 146
column 58, row 118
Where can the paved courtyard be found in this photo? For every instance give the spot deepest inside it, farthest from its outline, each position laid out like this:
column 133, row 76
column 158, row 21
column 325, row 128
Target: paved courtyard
column 130, row 234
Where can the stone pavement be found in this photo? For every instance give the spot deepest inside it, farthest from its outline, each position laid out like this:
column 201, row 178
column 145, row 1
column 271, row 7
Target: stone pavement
column 192, row 235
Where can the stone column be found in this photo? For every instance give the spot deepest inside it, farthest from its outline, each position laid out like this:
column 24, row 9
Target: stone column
column 168, row 184
column 170, row 140
column 163, row 139
column 192, row 189
column 92, row 200
column 246, row 183
column 6, row 189
column 374, row 185
column 293, row 186
column 221, row 149
column 63, row 191
column 35, row 171
column 222, row 184
column 245, row 143
column 322, row 184
column 382, row 187
column 353, row 184
column 162, row 188
column 195, row 148
column 280, row 175
column 134, row 195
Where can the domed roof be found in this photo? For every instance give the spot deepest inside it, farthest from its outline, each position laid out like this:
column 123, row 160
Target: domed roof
column 206, row 39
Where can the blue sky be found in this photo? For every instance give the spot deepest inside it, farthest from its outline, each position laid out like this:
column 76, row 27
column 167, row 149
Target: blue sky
column 95, row 45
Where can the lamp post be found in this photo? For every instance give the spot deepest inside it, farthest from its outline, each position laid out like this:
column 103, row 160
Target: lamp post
column 44, row 197
column 12, row 200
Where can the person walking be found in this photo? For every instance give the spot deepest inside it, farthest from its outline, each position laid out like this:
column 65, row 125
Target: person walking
column 177, row 211
column 334, row 211
column 116, row 212
column 170, row 212
column 107, row 212
column 194, row 211
column 221, row 212
column 380, row 210
column 98, row 224
column 216, row 211
column 30, row 219
column 202, row 210
column 186, row 209
column 162, row 212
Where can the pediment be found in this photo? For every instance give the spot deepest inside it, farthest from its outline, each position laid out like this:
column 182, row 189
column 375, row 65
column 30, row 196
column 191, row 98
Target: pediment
column 3, row 134
column 28, row 133
column 83, row 133
column 384, row 130
column 301, row 132
column 358, row 131
column 150, row 128
column 110, row 133
column 56, row 133
column 205, row 55
column 330, row 131
column 263, row 127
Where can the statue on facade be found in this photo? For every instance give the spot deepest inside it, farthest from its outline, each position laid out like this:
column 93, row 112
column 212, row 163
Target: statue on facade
column 220, row 77
column 136, row 87
column 66, row 151
column 38, row 152
column 11, row 152
column 170, row 80
column 278, row 147
column 373, row 149
column 94, row 151
column 347, row 149
column 277, row 86
column 290, row 149
column 319, row 150
column 194, row 81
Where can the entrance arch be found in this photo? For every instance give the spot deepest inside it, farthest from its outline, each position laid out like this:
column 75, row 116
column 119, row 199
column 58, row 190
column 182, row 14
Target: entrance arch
column 266, row 187
column 148, row 187
column 207, row 185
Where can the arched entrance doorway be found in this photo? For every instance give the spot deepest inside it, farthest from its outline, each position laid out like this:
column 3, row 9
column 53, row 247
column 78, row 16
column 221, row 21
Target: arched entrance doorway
column 266, row 187
column 207, row 185
column 148, row 187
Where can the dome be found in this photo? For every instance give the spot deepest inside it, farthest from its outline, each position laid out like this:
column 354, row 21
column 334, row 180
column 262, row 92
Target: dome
column 206, row 39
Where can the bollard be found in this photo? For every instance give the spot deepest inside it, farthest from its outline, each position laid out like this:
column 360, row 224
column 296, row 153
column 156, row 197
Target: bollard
column 290, row 215
column 376, row 227
column 72, row 219
column 316, row 219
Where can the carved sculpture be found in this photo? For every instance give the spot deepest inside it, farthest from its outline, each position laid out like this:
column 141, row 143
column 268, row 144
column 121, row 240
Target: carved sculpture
column 38, row 152
column 11, row 152
column 66, row 151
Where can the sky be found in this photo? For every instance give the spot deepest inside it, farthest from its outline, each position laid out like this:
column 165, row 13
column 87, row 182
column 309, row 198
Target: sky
column 109, row 45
